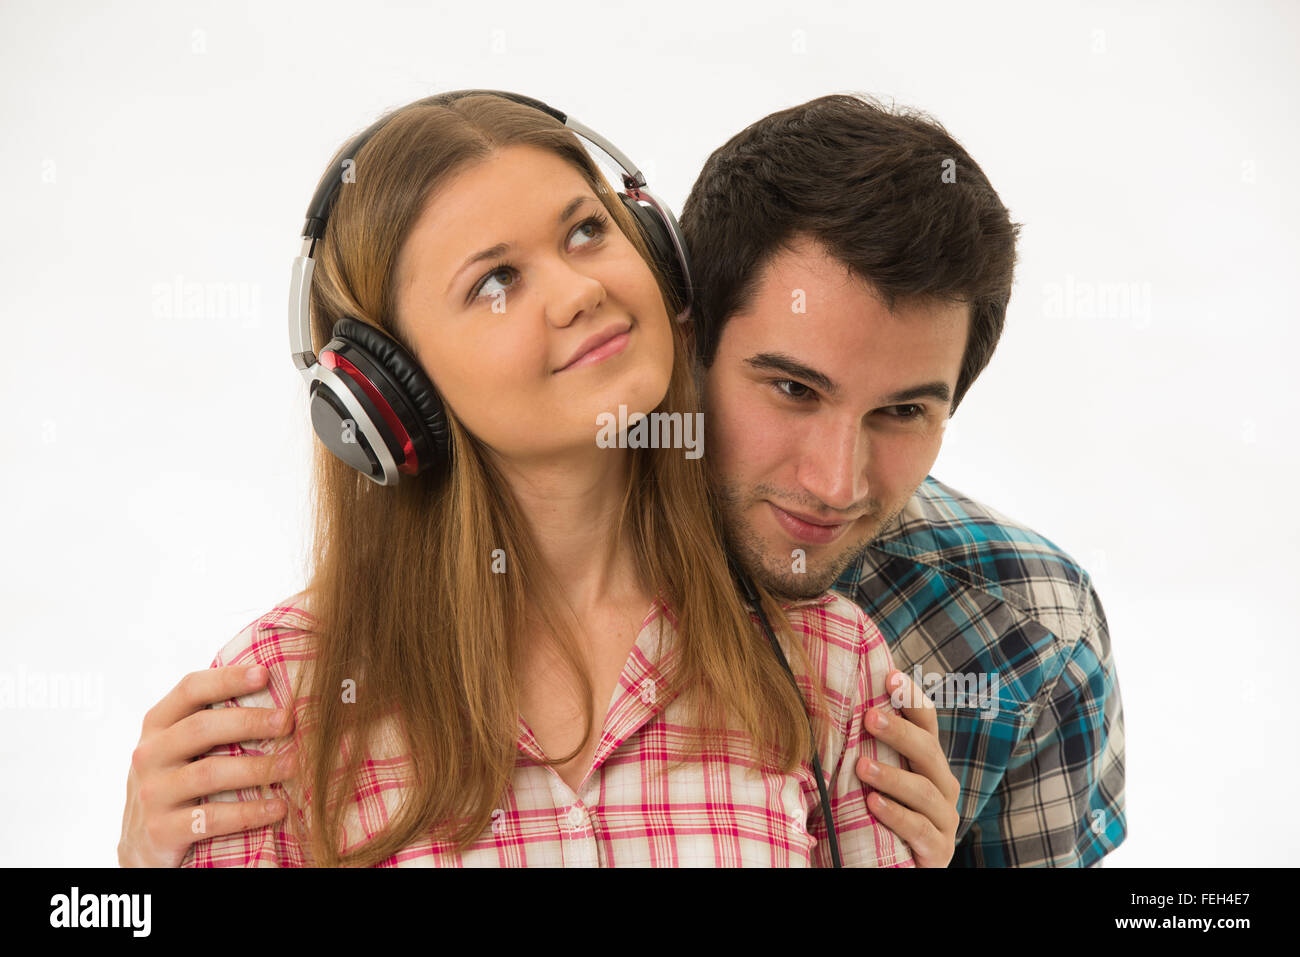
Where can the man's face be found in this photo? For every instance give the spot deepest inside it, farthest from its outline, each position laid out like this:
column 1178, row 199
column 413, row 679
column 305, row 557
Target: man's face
column 824, row 412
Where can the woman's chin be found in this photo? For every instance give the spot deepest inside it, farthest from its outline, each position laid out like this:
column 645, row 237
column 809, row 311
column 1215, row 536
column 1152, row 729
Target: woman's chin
column 639, row 390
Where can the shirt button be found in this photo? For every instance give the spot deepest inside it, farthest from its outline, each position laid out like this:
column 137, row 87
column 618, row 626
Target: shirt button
column 577, row 817
column 498, row 825
column 648, row 692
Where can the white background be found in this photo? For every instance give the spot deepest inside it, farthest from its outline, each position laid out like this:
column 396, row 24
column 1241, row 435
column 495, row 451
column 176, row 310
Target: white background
column 155, row 465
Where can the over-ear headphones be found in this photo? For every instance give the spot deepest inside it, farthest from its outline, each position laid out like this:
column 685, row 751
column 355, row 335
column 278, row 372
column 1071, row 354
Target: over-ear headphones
column 370, row 401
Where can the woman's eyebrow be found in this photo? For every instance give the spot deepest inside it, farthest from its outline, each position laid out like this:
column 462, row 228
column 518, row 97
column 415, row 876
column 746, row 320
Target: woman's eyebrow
column 500, row 249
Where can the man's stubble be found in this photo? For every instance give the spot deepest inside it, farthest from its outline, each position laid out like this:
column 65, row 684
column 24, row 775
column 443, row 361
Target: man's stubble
column 777, row 572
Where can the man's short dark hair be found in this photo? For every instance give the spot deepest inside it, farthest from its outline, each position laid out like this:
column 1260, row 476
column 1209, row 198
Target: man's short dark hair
column 888, row 193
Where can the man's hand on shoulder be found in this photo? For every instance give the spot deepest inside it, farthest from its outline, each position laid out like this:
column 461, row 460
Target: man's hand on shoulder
column 165, row 781
column 922, row 809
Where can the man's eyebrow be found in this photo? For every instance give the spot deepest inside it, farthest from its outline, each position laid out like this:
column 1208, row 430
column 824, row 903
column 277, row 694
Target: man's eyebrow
column 787, row 365
column 931, row 390
column 500, row 249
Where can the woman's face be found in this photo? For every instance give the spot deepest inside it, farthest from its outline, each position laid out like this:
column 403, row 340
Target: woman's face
column 518, row 339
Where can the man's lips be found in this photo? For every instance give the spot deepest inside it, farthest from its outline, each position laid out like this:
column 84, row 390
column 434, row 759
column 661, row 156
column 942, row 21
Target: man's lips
column 802, row 528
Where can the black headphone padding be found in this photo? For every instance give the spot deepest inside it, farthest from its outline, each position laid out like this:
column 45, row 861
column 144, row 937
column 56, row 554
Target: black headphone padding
column 661, row 246
column 409, row 378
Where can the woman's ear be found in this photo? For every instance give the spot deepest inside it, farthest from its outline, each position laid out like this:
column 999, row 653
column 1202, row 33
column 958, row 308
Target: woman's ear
column 688, row 328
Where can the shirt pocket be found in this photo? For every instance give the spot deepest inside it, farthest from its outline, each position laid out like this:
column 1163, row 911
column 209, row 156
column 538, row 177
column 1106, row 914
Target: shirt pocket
column 986, row 739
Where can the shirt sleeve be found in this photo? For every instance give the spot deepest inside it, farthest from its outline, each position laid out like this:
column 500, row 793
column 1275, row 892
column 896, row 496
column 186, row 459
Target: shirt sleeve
column 863, row 840
column 1061, row 801
column 272, row 845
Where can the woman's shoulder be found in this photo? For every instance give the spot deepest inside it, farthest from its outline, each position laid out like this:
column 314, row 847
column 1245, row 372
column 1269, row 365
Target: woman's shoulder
column 280, row 634
column 842, row 640
column 280, row 640
column 834, row 619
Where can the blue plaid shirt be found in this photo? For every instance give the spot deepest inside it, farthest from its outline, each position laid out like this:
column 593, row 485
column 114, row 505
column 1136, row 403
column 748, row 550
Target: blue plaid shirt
column 1005, row 632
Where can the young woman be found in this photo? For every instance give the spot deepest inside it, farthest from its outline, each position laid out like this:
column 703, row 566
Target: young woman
column 537, row 655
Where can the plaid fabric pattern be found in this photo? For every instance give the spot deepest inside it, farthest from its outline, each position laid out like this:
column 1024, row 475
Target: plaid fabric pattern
column 960, row 590
column 718, row 810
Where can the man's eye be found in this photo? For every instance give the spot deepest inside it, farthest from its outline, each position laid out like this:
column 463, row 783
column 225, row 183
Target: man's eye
column 906, row 411
column 800, row 391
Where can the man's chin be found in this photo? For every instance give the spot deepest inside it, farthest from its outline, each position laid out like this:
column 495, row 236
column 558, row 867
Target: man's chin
column 785, row 583
column 771, row 560
column 791, row 587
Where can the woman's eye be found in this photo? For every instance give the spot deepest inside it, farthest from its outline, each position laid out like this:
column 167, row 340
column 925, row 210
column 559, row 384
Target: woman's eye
column 801, row 391
column 485, row 287
column 596, row 223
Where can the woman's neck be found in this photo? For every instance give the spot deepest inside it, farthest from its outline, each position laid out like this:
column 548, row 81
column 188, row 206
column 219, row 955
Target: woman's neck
column 572, row 505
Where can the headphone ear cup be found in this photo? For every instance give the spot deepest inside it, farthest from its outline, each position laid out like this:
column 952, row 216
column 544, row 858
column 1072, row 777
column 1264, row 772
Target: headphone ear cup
column 656, row 234
column 337, row 427
column 400, row 399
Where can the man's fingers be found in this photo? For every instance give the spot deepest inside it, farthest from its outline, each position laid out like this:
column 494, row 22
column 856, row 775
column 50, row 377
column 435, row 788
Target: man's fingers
column 198, row 689
column 161, row 819
column 929, row 849
column 918, row 747
column 198, row 733
column 214, row 774
column 922, row 803
column 913, row 702
column 180, row 828
column 912, row 790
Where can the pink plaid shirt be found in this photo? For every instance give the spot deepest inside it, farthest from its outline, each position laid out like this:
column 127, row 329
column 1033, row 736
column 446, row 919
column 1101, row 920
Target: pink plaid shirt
column 718, row 810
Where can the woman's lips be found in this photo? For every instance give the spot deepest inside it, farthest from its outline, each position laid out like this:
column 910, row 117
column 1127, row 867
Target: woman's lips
column 602, row 349
column 602, row 345
column 807, row 532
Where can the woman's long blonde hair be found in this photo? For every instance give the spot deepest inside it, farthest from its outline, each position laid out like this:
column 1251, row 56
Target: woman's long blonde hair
column 402, row 596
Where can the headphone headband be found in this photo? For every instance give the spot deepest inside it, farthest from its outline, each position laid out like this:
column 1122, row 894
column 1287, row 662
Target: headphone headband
column 322, row 201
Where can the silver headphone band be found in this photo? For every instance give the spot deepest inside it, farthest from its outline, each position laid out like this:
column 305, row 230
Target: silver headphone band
column 632, row 177
column 674, row 232
column 300, row 346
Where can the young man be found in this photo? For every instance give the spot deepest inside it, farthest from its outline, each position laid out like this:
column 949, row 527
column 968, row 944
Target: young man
column 852, row 269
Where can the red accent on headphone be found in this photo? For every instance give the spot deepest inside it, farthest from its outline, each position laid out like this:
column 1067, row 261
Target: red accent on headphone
column 330, row 360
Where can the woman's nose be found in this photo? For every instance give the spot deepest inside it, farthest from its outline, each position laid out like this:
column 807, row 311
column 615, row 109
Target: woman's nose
column 570, row 293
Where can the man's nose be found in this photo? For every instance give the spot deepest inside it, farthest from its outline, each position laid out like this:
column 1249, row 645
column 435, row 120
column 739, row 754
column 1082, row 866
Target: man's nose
column 834, row 465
